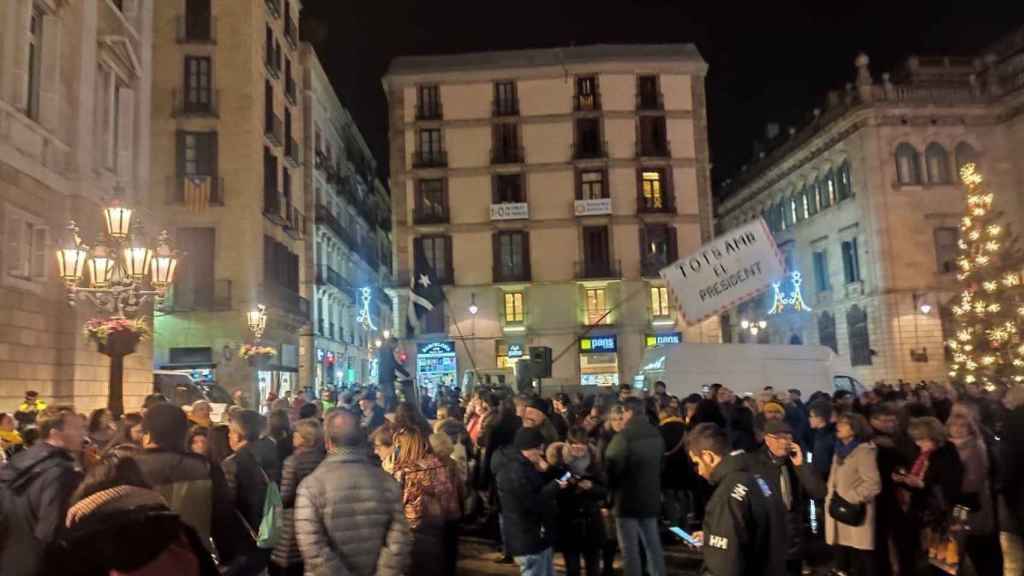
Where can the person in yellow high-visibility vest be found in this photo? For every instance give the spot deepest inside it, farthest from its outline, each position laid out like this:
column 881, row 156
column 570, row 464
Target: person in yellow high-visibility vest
column 29, row 409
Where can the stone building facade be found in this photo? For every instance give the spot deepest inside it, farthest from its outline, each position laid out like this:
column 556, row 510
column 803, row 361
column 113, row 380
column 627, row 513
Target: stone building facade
column 348, row 254
column 545, row 189
column 74, row 126
column 228, row 161
column 865, row 204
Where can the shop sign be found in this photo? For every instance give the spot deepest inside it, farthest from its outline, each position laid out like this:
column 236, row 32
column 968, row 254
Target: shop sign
column 594, row 207
column 598, row 344
column 510, row 211
column 445, row 347
column 728, row 270
column 515, row 351
column 655, row 340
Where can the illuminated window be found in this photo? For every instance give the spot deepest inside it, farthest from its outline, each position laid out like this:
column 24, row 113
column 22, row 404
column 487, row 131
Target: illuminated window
column 514, row 308
column 592, row 185
column 659, row 302
column 597, row 306
column 653, row 190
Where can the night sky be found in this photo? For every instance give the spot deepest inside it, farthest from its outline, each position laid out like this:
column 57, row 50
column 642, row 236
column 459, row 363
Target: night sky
column 769, row 61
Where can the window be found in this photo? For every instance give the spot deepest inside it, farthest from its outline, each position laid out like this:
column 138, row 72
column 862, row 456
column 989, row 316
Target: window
column 647, row 93
column 937, row 162
column 659, row 302
column 508, row 189
column 198, row 97
column 431, row 201
column 194, row 284
column 35, row 64
column 844, row 185
column 827, row 331
column 851, row 261
column 505, row 102
column 811, row 199
column 197, row 153
column 596, row 257
column 827, row 190
column 946, row 249
column 514, row 309
column 25, row 256
column 437, row 254
column 821, row 279
column 653, row 195
column 588, row 138
column 965, row 154
column 794, row 209
column 586, row 93
column 658, row 248
column 860, row 342
column 592, row 185
column 908, row 165
column 197, row 20
column 430, row 145
column 280, row 265
column 506, row 143
column 597, row 308
column 652, row 138
column 511, row 256
column 428, row 104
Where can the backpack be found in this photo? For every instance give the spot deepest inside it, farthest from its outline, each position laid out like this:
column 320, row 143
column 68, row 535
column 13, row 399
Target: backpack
column 272, row 524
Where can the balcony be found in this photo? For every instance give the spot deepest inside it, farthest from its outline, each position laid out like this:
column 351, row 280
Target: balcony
column 292, row 152
column 649, row 206
column 656, row 149
column 587, row 102
column 272, row 206
column 285, row 300
column 196, row 192
column 333, row 278
column 593, row 207
column 424, row 217
column 430, row 158
column 325, row 218
column 291, row 31
column 295, row 223
column 510, row 211
column 197, row 105
column 196, row 30
column 651, row 264
column 215, row 297
column 290, row 91
column 429, row 111
column 650, row 102
column 507, row 155
column 271, row 62
column 505, row 107
column 598, row 270
column 589, row 149
column 274, row 7
column 502, row 276
column 273, row 128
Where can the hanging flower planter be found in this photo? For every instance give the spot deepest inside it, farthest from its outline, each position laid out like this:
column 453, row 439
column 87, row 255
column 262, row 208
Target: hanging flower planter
column 257, row 356
column 116, row 336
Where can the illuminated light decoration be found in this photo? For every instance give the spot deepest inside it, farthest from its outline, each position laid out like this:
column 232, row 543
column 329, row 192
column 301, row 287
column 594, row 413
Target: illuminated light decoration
column 952, row 374
column 796, row 298
column 1018, row 363
column 964, row 335
column 974, row 235
column 1011, row 280
column 101, row 267
column 1018, row 378
column 968, row 347
column 994, row 230
column 990, row 286
column 118, row 220
column 971, row 364
column 993, row 308
column 961, row 244
column 982, row 260
column 988, row 360
column 967, row 222
column 365, row 319
column 970, row 379
column 992, row 246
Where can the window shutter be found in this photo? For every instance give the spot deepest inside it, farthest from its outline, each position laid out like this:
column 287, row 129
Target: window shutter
column 673, row 245
column 495, row 189
column 14, row 231
column 50, row 81
column 211, row 154
column 125, row 132
column 179, row 149
column 496, row 256
column 527, row 269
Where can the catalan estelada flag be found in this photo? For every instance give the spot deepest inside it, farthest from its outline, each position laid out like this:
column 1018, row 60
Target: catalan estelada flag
column 197, row 192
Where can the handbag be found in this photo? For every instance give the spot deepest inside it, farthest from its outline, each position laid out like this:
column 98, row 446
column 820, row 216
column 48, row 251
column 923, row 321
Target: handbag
column 846, row 512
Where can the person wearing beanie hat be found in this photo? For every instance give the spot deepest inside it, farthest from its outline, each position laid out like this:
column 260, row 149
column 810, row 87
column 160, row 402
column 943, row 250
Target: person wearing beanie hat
column 528, row 503
column 773, row 410
column 535, row 415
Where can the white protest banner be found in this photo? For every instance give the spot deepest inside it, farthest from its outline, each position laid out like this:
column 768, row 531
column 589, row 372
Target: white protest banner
column 726, row 271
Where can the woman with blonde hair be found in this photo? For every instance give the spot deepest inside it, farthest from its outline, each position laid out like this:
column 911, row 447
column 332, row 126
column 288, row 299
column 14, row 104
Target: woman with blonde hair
column 430, row 497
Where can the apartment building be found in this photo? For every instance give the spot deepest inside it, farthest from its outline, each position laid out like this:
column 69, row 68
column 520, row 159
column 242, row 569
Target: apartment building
column 227, row 130
column 348, row 255
column 74, row 129
column 545, row 189
column 865, row 204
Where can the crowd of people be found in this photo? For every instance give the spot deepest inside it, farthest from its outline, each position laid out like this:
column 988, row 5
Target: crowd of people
column 902, row 479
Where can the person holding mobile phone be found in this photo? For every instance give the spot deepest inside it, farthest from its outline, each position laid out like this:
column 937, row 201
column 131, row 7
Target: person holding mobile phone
column 581, row 533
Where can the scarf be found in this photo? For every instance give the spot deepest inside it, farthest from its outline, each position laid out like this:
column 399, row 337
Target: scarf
column 844, row 450
column 918, row 470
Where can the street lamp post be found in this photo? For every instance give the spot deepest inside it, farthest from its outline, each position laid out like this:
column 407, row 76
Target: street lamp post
column 753, row 327
column 118, row 267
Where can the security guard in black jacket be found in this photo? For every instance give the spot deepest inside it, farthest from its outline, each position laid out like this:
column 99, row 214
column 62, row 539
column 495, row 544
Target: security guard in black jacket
column 744, row 525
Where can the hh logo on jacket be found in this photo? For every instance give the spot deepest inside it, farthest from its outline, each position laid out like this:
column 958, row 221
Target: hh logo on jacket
column 739, row 492
column 720, row 542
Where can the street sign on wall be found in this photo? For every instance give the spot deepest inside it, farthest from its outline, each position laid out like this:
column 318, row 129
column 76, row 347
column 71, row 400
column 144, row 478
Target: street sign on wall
column 726, row 271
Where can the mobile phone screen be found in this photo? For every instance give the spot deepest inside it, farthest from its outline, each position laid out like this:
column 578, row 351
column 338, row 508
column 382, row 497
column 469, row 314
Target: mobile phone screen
column 684, row 535
column 565, row 477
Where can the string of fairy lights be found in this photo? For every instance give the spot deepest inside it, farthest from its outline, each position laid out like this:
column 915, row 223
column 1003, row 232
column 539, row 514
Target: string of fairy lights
column 987, row 348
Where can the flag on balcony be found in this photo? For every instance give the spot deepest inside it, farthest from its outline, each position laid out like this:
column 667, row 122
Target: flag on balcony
column 425, row 292
column 197, row 192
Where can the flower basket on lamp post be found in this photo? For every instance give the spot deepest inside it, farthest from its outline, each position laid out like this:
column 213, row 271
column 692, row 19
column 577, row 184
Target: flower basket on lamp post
column 116, row 338
column 257, row 356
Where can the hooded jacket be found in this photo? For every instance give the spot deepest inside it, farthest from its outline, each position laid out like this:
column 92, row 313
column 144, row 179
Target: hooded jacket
column 38, row 483
column 744, row 524
column 634, row 461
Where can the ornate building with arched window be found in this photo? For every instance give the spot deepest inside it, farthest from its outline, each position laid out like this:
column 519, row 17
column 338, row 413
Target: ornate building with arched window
column 865, row 203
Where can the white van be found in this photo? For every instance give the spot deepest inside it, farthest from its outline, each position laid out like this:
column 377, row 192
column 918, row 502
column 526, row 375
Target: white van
column 687, row 368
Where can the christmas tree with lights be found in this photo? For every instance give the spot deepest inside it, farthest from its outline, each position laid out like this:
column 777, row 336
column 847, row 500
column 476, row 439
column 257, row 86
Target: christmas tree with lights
column 986, row 345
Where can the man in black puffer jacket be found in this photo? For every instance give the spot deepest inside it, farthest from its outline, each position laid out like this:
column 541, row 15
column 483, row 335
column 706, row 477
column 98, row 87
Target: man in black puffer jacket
column 634, row 461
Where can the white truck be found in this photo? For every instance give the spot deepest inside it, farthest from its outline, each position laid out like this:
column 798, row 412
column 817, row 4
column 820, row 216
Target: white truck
column 688, row 368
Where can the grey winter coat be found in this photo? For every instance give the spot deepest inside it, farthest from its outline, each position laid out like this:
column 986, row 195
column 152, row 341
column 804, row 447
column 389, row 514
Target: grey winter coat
column 856, row 479
column 296, row 468
column 349, row 519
